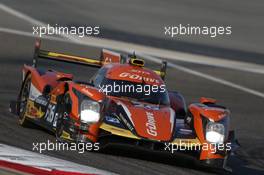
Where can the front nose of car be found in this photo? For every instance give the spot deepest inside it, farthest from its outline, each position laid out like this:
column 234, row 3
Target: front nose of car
column 149, row 121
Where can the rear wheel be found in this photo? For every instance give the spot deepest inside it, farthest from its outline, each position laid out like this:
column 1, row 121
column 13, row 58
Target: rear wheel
column 23, row 101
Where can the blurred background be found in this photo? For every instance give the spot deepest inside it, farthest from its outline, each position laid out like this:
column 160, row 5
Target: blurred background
column 229, row 68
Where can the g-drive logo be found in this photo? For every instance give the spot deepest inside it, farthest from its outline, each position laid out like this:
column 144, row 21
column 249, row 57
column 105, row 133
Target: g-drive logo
column 151, row 124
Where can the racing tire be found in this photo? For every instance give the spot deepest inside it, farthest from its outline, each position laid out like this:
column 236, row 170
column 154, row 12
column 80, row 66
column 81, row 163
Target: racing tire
column 60, row 121
column 23, row 102
column 59, row 130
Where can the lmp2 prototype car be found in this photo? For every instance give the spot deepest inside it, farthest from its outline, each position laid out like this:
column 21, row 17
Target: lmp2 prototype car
column 87, row 112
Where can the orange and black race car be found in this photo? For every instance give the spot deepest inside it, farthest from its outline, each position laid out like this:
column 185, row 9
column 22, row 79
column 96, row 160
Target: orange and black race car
column 123, row 103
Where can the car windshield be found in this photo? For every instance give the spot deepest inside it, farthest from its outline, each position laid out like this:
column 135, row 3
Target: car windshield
column 155, row 94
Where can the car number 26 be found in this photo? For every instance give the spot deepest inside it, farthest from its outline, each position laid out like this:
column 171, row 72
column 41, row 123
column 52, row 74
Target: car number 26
column 50, row 115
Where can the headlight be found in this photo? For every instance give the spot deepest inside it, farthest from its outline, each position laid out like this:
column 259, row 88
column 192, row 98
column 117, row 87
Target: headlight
column 215, row 132
column 90, row 111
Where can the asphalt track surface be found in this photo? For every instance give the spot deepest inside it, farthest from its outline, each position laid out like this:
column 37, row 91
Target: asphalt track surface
column 247, row 110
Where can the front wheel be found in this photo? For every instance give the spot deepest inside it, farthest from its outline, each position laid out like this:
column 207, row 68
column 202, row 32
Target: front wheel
column 59, row 129
column 23, row 102
column 60, row 134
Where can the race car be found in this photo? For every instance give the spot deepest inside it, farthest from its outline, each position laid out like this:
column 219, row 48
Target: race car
column 146, row 115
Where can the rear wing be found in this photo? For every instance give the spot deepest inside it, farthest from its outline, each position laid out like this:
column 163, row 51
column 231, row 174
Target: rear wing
column 107, row 57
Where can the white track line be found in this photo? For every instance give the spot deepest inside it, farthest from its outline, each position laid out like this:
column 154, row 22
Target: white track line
column 146, row 51
column 33, row 159
column 21, row 15
column 29, row 34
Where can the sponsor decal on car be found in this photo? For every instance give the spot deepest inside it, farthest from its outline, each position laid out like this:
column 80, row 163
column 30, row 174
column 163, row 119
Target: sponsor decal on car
column 112, row 119
column 126, row 122
column 34, row 92
column 138, row 77
column 41, row 100
column 151, row 124
column 32, row 111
